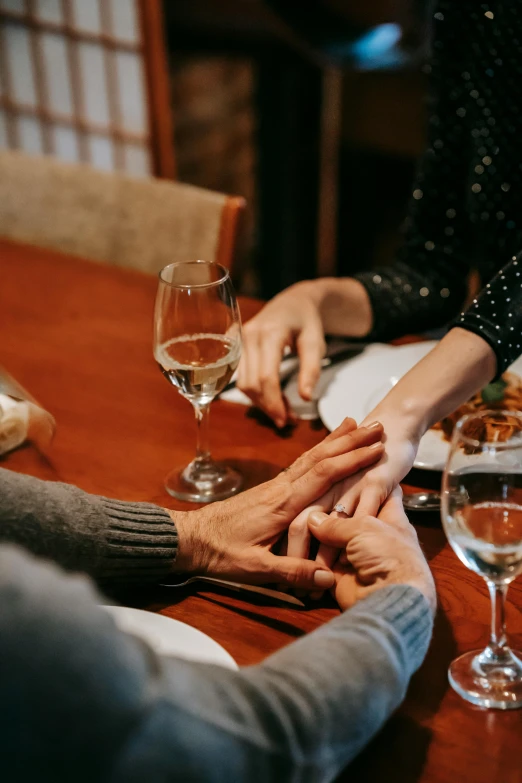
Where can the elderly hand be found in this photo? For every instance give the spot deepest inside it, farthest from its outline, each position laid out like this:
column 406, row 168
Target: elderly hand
column 234, row 538
column 376, row 551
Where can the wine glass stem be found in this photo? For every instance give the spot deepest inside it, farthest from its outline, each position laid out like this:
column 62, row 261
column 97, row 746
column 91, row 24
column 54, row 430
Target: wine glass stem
column 498, row 640
column 202, row 425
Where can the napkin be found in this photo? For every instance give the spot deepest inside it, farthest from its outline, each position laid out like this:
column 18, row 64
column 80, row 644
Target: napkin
column 21, row 417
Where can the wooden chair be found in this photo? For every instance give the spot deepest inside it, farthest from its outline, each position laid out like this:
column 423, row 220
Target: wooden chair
column 140, row 223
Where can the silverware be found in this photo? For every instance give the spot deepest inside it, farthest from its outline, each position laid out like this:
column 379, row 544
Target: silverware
column 422, row 501
column 239, row 587
column 290, row 363
column 347, row 352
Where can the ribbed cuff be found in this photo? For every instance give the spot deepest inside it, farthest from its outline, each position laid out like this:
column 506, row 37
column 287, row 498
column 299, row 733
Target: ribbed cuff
column 141, row 542
column 407, row 610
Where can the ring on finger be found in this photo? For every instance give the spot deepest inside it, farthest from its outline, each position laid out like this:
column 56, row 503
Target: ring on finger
column 340, row 509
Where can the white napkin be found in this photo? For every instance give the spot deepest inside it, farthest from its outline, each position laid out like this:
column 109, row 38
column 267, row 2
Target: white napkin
column 14, row 423
column 21, row 417
column 234, row 395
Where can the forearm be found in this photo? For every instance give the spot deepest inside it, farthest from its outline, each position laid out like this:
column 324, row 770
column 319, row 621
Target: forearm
column 301, row 715
column 343, row 304
column 114, row 541
column 461, row 364
column 335, row 688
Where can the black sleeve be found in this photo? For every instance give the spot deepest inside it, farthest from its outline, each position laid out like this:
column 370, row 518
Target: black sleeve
column 496, row 314
column 466, row 203
column 427, row 284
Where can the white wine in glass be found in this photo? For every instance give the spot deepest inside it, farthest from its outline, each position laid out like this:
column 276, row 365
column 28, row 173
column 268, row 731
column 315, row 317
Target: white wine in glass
column 197, row 344
column 482, row 518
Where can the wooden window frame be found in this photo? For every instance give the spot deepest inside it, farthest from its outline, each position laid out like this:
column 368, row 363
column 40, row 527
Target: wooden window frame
column 159, row 140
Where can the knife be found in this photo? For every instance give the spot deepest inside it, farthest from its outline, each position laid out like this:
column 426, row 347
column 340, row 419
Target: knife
column 239, row 587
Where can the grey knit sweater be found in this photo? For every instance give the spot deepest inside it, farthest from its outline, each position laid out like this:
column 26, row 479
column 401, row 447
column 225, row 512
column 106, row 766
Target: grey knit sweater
column 83, row 702
column 111, row 540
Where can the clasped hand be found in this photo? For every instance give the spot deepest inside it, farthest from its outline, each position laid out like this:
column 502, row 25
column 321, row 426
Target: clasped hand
column 235, row 539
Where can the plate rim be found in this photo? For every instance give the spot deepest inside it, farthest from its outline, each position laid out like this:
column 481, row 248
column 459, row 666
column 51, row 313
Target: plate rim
column 233, row 665
column 438, row 467
column 428, row 345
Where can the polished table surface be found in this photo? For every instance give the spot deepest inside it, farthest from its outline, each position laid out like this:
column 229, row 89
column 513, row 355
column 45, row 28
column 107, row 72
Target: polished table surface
column 77, row 335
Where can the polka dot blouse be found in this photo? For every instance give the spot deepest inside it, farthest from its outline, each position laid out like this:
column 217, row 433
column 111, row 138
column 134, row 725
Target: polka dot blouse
column 466, row 209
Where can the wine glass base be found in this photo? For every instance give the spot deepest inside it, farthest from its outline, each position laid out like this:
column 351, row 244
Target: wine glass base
column 488, row 683
column 203, row 481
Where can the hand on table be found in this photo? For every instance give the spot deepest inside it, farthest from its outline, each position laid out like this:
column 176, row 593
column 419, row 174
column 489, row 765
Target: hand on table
column 376, row 552
column 234, row 538
column 291, row 319
column 364, row 493
column 361, row 494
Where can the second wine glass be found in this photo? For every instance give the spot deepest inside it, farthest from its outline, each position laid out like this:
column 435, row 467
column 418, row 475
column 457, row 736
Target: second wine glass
column 482, row 518
column 197, row 344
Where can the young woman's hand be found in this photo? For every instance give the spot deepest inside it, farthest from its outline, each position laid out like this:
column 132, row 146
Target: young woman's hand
column 299, row 318
column 291, row 319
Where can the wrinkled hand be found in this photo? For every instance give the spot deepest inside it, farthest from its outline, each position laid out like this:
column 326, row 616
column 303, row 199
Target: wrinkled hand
column 234, row 538
column 375, row 552
column 291, row 319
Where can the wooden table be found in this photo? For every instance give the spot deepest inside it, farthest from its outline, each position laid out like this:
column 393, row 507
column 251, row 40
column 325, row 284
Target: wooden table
column 78, row 336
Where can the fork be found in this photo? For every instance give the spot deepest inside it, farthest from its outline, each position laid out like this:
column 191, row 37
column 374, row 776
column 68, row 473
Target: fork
column 239, row 587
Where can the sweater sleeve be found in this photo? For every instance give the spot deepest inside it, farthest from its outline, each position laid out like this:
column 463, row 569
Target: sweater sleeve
column 302, row 715
column 113, row 541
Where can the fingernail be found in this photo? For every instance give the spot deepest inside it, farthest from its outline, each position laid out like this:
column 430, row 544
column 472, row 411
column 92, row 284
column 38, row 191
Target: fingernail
column 280, row 423
column 307, row 391
column 377, row 445
column 324, row 579
column 373, row 425
column 317, row 518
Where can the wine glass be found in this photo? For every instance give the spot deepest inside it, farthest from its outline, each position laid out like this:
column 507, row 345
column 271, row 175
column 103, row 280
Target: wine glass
column 197, row 344
column 482, row 518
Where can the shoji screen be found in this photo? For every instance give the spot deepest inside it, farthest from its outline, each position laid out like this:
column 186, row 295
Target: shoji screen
column 86, row 80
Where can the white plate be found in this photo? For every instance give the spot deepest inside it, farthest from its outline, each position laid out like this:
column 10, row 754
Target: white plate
column 170, row 637
column 360, row 383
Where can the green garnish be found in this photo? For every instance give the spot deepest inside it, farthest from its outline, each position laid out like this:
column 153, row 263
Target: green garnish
column 494, row 392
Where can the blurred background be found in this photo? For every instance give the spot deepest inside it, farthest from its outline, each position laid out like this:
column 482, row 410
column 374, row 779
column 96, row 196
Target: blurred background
column 312, row 110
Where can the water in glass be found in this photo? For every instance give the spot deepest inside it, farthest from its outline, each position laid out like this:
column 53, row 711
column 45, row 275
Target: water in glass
column 197, row 345
column 482, row 518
